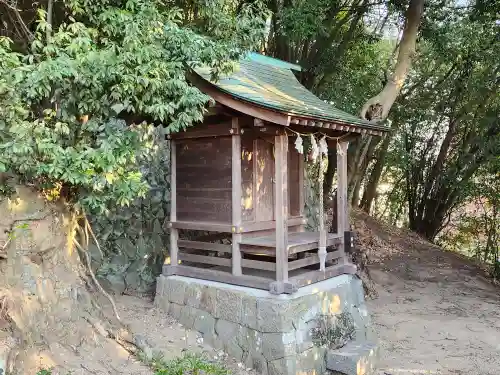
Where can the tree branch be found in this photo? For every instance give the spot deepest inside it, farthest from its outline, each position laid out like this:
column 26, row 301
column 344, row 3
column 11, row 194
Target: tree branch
column 27, row 33
column 50, row 10
column 377, row 108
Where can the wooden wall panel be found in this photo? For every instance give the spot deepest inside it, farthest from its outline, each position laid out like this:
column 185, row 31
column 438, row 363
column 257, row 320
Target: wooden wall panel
column 204, row 179
column 247, row 178
column 264, row 180
column 202, row 193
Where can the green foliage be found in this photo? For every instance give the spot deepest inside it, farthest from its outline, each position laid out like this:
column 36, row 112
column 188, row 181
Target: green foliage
column 330, row 40
column 132, row 237
column 445, row 123
column 76, row 108
column 439, row 168
column 446, row 139
column 6, row 190
column 359, row 76
column 75, row 111
column 304, row 19
column 474, row 228
column 192, row 364
column 188, row 364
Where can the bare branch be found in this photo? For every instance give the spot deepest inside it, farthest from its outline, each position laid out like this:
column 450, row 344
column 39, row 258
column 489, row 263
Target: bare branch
column 17, row 13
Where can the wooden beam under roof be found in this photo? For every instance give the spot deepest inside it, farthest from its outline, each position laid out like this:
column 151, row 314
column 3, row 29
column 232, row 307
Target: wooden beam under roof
column 228, row 101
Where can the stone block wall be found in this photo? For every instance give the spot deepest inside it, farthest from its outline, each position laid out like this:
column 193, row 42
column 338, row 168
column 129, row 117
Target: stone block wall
column 132, row 238
column 272, row 334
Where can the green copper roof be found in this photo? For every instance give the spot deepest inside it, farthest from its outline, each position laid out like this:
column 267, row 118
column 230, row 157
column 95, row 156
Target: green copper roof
column 263, row 59
column 270, row 83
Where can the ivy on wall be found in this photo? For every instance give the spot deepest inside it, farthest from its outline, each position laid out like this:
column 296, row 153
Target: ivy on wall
column 132, row 238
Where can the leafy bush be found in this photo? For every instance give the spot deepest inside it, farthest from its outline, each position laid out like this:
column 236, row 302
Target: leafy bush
column 77, row 109
column 74, row 111
column 188, row 364
column 132, row 238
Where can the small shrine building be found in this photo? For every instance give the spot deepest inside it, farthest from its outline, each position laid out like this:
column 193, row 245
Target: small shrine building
column 240, row 177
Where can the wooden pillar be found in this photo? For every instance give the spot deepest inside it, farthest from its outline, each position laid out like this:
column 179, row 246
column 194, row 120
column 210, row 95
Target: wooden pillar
column 302, row 200
column 342, row 204
column 236, row 198
column 174, row 233
column 281, row 208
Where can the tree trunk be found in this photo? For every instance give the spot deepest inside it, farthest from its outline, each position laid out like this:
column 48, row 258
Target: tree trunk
column 330, row 171
column 371, row 188
column 50, row 10
column 355, row 191
column 378, row 107
column 359, row 167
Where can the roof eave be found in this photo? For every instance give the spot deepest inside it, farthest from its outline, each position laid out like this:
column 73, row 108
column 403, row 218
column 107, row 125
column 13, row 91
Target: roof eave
column 279, row 117
column 337, row 124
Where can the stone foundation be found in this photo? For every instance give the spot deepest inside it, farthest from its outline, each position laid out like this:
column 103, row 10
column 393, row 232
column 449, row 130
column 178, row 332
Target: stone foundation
column 274, row 335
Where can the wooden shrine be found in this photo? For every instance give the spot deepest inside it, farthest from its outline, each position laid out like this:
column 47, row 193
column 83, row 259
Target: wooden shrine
column 237, row 182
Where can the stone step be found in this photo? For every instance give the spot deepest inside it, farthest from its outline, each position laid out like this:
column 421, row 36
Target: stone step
column 355, row 358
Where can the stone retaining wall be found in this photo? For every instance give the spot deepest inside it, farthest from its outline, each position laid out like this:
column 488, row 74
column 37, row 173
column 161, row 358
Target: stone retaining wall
column 272, row 334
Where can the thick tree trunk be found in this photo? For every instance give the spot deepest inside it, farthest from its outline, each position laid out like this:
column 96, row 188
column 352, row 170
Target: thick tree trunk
column 378, row 107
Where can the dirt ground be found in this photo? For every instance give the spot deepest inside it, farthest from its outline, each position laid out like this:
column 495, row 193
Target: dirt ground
column 51, row 312
column 436, row 312
column 98, row 356
column 167, row 336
